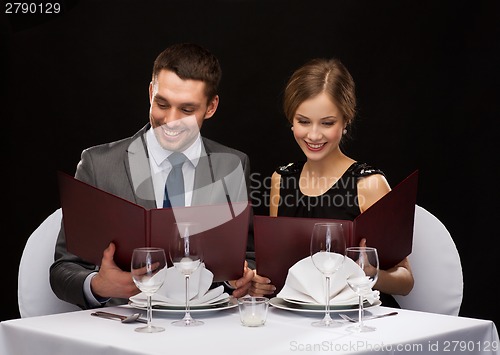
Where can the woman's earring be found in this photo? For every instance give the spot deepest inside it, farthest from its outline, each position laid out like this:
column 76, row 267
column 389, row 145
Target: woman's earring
column 344, row 131
column 291, row 128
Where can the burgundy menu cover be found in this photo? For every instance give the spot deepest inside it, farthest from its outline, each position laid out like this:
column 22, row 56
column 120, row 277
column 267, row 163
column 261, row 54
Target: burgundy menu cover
column 387, row 225
column 93, row 218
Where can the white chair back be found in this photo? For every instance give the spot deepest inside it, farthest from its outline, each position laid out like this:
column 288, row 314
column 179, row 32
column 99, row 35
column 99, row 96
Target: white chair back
column 35, row 296
column 436, row 267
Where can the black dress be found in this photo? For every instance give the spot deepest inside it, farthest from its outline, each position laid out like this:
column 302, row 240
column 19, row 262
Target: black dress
column 339, row 202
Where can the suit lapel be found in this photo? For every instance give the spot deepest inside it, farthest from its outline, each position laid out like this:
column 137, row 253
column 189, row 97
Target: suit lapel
column 139, row 171
column 208, row 187
column 203, row 179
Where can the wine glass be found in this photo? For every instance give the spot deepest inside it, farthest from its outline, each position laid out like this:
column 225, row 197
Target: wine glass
column 327, row 253
column 186, row 254
column 148, row 267
column 367, row 259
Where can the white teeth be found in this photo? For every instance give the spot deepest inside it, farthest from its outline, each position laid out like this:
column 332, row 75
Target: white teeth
column 315, row 146
column 171, row 133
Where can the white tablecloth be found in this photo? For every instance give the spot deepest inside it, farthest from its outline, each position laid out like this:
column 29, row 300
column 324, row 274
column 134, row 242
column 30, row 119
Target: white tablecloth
column 285, row 332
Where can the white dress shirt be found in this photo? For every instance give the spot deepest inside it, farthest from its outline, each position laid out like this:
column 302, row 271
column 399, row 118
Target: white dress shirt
column 161, row 166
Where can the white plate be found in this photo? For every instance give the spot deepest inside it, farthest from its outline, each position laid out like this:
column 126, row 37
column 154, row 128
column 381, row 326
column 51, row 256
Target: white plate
column 310, row 308
column 317, row 305
column 218, row 306
column 217, row 300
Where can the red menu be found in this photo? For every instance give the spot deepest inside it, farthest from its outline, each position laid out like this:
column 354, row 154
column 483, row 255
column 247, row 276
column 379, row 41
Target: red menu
column 93, row 218
column 387, row 225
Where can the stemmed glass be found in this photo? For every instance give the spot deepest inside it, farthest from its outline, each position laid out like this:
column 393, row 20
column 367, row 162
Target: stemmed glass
column 148, row 267
column 186, row 253
column 327, row 253
column 367, row 259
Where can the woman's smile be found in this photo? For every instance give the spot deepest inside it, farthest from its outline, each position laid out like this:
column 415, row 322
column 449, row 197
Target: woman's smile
column 315, row 146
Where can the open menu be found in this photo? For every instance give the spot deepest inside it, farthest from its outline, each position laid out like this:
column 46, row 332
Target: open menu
column 387, row 225
column 93, row 218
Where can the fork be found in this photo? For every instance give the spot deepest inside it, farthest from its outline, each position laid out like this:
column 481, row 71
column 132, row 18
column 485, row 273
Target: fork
column 349, row 319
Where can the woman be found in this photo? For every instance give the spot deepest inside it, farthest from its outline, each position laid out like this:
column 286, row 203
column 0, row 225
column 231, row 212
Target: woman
column 319, row 103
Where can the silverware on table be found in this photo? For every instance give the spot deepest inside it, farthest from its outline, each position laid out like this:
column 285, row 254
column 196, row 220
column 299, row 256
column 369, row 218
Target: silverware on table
column 124, row 319
column 349, row 319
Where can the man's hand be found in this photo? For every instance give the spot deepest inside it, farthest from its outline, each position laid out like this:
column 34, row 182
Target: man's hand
column 261, row 286
column 111, row 281
column 243, row 284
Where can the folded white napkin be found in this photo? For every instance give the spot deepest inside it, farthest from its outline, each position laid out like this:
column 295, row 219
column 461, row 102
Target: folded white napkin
column 173, row 290
column 305, row 283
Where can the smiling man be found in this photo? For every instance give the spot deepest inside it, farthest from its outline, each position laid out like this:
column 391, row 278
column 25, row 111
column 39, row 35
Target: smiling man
column 167, row 162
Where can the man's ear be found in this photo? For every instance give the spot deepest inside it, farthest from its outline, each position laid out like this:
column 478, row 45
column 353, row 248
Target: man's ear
column 212, row 107
column 150, row 92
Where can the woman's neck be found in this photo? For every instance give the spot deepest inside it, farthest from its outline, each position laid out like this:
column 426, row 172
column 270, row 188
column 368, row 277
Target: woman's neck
column 329, row 166
column 318, row 176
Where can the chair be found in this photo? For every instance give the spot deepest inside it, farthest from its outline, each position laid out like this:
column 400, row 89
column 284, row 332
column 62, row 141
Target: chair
column 35, row 296
column 436, row 267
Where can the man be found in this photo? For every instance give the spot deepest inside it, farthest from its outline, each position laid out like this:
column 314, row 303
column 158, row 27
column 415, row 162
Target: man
column 183, row 94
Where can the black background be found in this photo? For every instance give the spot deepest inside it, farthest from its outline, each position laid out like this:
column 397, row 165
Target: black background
column 427, row 87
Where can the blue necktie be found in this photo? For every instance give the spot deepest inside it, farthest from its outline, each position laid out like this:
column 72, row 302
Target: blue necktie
column 174, row 187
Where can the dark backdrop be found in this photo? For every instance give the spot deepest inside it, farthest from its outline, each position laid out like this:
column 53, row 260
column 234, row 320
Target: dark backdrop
column 427, row 85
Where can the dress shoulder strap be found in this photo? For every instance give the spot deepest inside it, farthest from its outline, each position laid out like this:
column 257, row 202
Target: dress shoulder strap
column 362, row 169
column 290, row 169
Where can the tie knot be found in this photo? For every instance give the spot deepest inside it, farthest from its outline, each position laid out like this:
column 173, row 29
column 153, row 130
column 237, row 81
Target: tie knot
column 177, row 159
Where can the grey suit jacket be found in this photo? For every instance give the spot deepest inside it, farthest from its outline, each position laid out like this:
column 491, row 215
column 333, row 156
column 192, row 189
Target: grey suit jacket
column 122, row 168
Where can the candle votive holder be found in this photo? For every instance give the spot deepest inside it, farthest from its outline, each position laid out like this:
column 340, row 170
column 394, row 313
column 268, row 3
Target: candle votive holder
column 253, row 310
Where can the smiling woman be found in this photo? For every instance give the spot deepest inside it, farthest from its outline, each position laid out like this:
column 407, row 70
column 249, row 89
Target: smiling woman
column 318, row 126
column 320, row 104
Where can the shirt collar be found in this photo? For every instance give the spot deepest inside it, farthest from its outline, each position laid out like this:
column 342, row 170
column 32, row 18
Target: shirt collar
column 159, row 154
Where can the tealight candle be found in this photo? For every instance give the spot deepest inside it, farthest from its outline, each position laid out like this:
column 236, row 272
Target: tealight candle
column 253, row 310
column 253, row 320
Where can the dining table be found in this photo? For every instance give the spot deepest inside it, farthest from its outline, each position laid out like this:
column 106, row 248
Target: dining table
column 286, row 331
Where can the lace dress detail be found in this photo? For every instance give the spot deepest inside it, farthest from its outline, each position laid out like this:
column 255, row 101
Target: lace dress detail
column 339, row 202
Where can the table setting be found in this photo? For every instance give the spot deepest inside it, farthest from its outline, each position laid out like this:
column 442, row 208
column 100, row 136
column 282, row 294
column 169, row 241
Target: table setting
column 304, row 289
column 250, row 323
column 184, row 286
column 170, row 298
column 327, row 304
